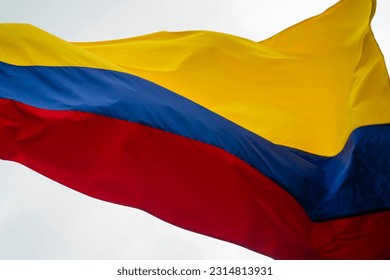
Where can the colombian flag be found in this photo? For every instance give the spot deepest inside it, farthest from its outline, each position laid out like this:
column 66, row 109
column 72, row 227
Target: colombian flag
column 281, row 146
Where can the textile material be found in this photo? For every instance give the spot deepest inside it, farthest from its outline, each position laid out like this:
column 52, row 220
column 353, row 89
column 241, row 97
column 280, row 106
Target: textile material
column 281, row 146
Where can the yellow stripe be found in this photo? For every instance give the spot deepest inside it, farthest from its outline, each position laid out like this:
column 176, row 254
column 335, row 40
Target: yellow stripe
column 308, row 87
column 25, row 45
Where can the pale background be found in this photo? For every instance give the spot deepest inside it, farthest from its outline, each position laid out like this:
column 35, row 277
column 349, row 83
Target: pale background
column 40, row 219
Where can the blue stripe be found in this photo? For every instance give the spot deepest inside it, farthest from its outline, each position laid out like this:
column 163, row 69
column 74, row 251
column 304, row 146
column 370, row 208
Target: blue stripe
column 354, row 182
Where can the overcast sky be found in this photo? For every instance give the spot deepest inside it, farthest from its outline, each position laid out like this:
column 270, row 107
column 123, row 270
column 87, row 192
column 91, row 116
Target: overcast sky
column 40, row 219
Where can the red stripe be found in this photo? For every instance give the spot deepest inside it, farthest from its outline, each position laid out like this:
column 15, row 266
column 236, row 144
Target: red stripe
column 185, row 182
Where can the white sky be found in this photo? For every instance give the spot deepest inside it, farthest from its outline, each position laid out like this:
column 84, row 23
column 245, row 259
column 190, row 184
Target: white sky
column 40, row 219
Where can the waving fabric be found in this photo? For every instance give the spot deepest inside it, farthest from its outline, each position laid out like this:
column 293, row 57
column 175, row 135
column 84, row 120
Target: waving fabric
column 281, row 146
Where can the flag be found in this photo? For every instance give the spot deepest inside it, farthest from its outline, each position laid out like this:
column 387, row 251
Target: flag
column 281, row 146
